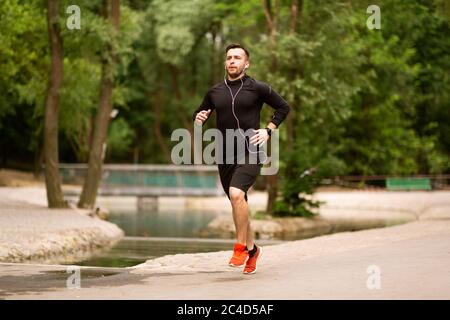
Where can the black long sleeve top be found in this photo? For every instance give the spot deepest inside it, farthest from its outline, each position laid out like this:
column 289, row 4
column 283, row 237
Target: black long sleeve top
column 248, row 104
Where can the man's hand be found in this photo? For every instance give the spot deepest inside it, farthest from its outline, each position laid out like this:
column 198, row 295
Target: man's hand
column 202, row 116
column 260, row 137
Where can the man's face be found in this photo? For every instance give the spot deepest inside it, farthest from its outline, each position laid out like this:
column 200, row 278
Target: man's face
column 235, row 62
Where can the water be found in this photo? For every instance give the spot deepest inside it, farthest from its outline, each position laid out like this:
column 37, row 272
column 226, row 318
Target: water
column 132, row 250
column 152, row 234
column 176, row 223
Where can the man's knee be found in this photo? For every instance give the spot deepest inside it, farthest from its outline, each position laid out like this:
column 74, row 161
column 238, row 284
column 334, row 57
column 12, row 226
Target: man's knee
column 236, row 195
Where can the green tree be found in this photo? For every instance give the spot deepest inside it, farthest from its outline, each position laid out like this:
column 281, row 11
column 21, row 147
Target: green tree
column 52, row 178
column 110, row 11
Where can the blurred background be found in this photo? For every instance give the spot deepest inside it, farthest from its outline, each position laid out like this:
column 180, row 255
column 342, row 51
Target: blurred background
column 91, row 84
column 365, row 102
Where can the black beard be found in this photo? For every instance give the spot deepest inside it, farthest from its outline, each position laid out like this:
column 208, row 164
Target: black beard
column 234, row 76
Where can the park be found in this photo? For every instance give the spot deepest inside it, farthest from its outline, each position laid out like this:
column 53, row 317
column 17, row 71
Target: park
column 109, row 191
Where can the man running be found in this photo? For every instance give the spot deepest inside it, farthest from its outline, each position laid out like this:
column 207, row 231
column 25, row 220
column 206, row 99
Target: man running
column 238, row 101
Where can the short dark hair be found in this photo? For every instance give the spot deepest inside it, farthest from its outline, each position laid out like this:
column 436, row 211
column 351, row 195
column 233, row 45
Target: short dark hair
column 237, row 45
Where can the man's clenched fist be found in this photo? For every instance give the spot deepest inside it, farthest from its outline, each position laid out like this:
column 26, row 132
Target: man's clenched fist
column 202, row 116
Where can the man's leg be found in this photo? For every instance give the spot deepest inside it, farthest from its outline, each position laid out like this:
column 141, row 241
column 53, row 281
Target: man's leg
column 249, row 235
column 241, row 217
column 243, row 231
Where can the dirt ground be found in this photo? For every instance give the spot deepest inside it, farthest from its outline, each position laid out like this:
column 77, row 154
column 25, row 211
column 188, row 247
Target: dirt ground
column 14, row 178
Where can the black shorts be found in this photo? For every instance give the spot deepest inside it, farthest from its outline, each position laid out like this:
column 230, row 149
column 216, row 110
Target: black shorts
column 241, row 176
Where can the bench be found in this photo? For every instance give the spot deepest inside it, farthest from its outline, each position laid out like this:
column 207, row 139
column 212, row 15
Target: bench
column 408, row 184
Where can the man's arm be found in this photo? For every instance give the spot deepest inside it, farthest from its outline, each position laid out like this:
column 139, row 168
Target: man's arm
column 274, row 100
column 204, row 106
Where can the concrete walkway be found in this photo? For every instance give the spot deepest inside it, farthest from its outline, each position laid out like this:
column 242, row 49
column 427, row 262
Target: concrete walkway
column 408, row 261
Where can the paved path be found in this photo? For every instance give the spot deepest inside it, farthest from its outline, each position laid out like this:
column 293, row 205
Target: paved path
column 413, row 260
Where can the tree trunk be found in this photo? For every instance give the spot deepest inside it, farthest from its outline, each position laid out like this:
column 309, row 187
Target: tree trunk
column 295, row 8
column 98, row 146
column 186, row 122
column 136, row 155
column 216, row 73
column 271, row 15
column 55, row 196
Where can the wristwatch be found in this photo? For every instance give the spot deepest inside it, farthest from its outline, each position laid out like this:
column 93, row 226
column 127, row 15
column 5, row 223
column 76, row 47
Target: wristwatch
column 269, row 131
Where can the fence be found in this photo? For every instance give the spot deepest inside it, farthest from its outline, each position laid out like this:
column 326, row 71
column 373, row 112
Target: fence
column 413, row 182
column 149, row 180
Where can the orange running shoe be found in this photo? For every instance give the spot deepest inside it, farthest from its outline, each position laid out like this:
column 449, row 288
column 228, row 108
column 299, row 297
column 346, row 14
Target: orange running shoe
column 250, row 266
column 240, row 254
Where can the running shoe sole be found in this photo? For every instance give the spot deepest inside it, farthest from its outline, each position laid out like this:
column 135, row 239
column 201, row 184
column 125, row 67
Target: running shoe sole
column 236, row 266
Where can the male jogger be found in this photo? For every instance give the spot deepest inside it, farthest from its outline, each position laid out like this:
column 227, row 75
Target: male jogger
column 238, row 101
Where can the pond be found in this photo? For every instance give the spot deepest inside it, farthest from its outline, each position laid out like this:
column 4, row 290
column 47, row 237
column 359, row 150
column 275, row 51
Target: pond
column 152, row 234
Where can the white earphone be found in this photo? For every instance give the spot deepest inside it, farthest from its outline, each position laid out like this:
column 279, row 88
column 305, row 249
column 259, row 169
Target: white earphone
column 233, row 98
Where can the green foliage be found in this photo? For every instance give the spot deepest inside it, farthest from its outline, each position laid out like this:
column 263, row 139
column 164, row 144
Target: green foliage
column 176, row 25
column 22, row 47
column 355, row 96
column 303, row 170
column 78, row 103
column 23, row 51
column 120, row 137
column 364, row 101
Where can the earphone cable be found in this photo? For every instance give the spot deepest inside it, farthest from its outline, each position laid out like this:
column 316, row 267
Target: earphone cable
column 233, row 98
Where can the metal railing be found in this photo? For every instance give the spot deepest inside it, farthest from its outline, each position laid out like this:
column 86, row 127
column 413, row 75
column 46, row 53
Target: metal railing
column 436, row 181
column 149, row 180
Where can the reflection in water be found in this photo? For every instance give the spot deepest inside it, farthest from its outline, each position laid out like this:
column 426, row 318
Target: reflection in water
column 180, row 223
column 132, row 251
column 152, row 234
